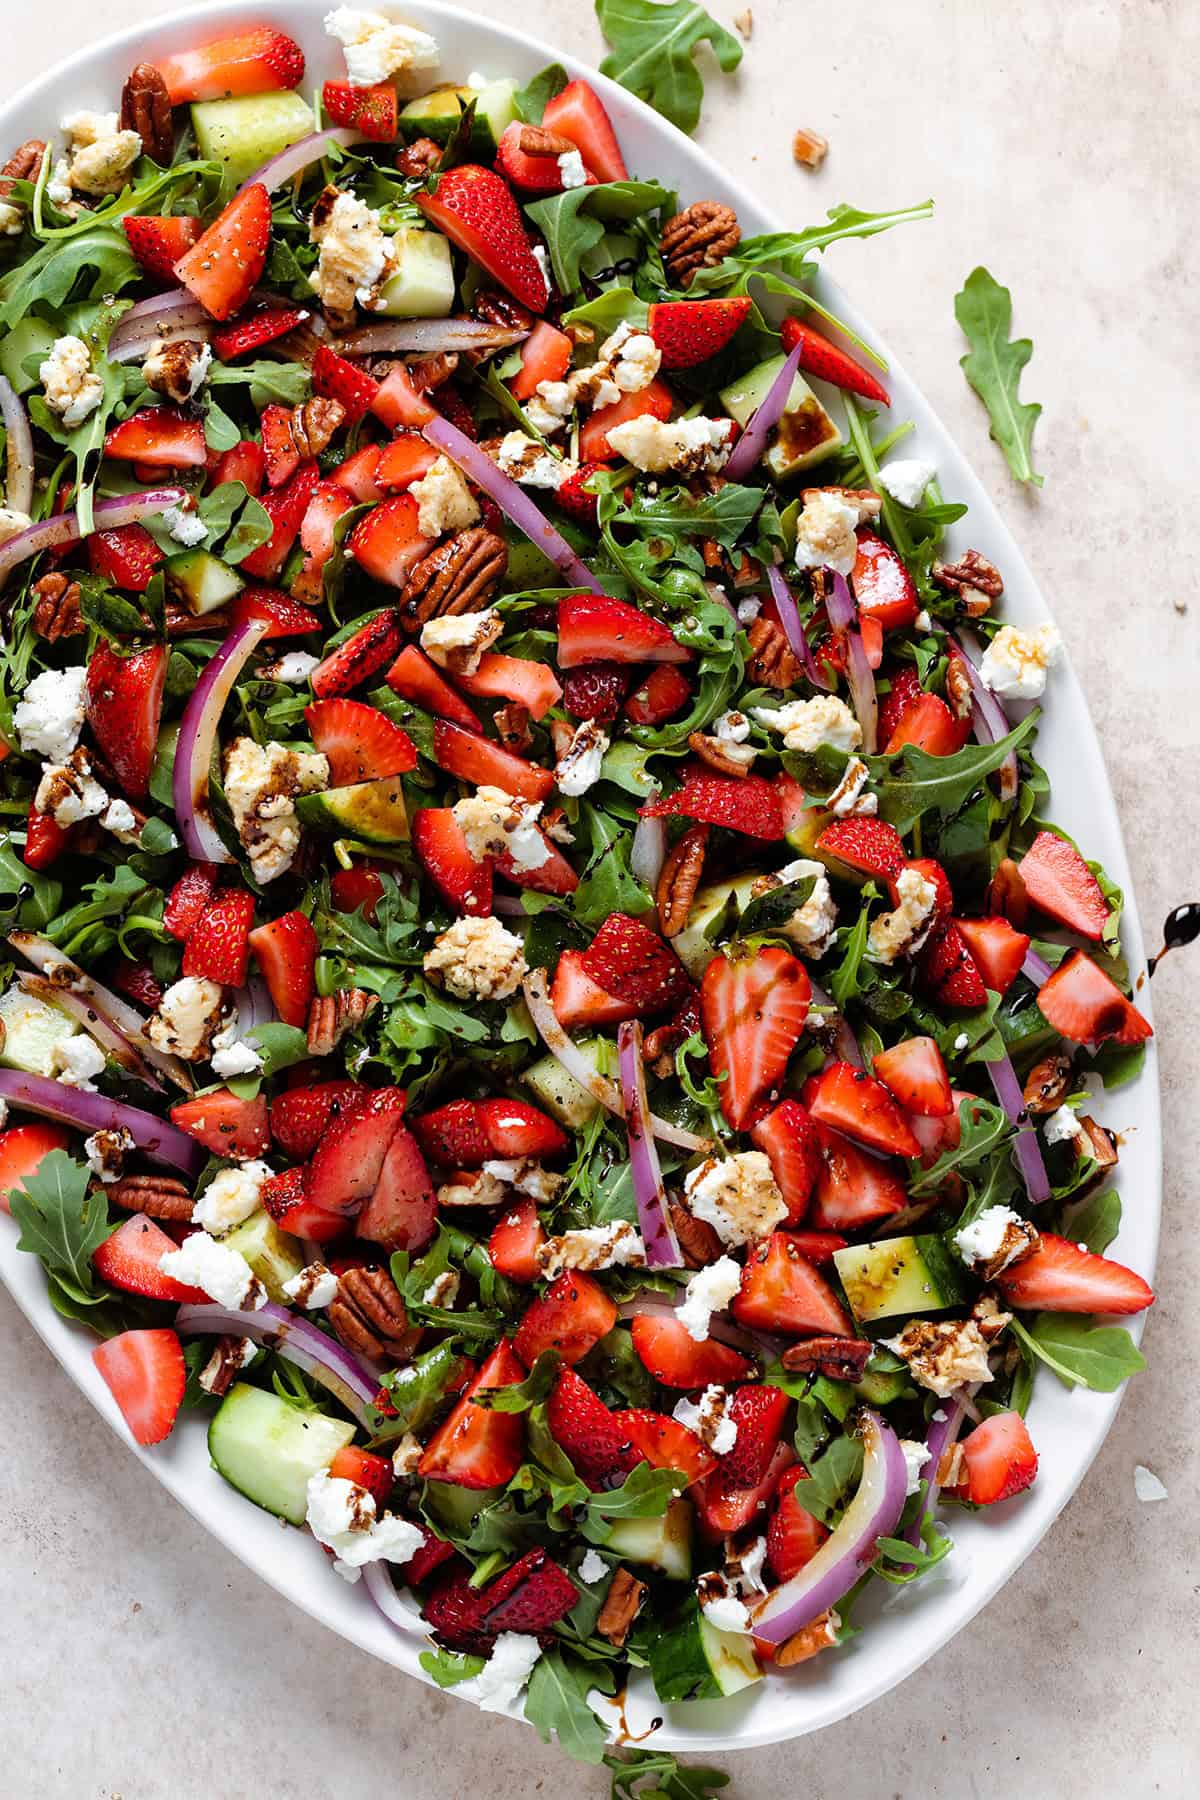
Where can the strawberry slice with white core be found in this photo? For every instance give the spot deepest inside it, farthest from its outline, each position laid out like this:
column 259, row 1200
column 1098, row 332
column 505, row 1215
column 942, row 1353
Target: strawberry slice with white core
column 1060, row 884
column 361, row 743
column 593, row 628
column 754, row 1007
column 1086, row 1005
column 1060, row 1277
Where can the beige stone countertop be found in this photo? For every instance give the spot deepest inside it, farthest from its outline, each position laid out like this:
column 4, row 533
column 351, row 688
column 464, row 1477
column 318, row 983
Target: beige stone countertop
column 1061, row 139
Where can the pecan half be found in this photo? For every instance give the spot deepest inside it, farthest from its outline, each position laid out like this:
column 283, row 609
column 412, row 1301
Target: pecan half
column 332, row 1016
column 314, row 423
column 1006, row 894
column 621, row 1606
column 973, row 579
column 820, row 1635
column 809, row 149
column 726, row 759
column 679, row 880
column 959, row 695
column 495, row 308
column 417, row 159
column 1047, row 1084
column 369, row 1316
column 513, row 727
column 837, row 1358
column 157, row 1196
column 57, row 613
column 697, row 1239
column 146, row 109
column 1101, row 1144
column 22, row 165
column 772, row 663
column 182, row 623
column 698, row 237
column 460, row 576
column 535, row 140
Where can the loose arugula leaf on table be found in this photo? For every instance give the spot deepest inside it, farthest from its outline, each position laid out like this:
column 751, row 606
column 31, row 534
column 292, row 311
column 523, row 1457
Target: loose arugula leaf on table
column 557, row 1706
column 993, row 367
column 651, row 52
column 633, row 1767
column 63, row 1221
column 1081, row 1353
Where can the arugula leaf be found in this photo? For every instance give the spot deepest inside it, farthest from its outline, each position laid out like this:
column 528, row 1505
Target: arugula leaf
column 652, row 43
column 1094, row 1222
column 50, row 274
column 417, row 1391
column 785, row 253
column 63, row 1222
column 557, row 1706
column 532, row 100
column 448, row 1669
column 984, row 1127
column 608, row 884
column 993, row 367
column 724, row 515
column 521, row 1395
column 1099, row 1357
column 912, row 782
column 37, row 898
column 771, row 911
column 631, row 1767
column 573, row 222
column 645, row 1493
column 833, row 1478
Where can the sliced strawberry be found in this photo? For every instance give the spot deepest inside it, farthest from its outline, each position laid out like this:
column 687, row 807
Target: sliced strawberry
column 999, row 1460
column 286, row 507
column 371, row 110
column 723, row 1507
column 336, row 379
column 829, row 362
column 224, row 1124
column 359, row 658
column 1060, row 1277
column 478, row 1447
column 464, row 884
column 575, row 498
column 759, row 1413
column 514, row 1128
column 948, row 969
column 997, row 951
column 571, row 1316
column 477, row 759
column 365, row 1470
column 22, row 1148
column 301, row 1116
column 656, row 401
column 747, row 803
column 129, row 1260
column 664, row 692
column 853, row 1189
column 817, row 1246
column 124, row 707
column 516, row 1238
column 454, row 1135
column 415, row 678
column 595, row 1439
column 1082, row 1003
column 930, row 725
column 223, row 267
column 329, row 503
column 630, row 961
column 529, row 1597
column 361, row 743
column 405, row 460
column 137, row 981
column 866, row 845
column 593, row 628
column 854, row 1103
column 793, row 1536
column 146, row 1375
column 753, row 1007
column 534, row 685
column 787, row 1135
column 245, row 463
column 45, row 840
column 578, row 1001
column 256, row 330
column 256, row 60
column 188, row 899
column 578, row 113
column 454, row 1610
column 401, row 1213
column 530, row 175
column 554, row 876
column 476, row 210
column 688, row 332
column 916, row 1074
column 360, row 886
column 1060, row 884
column 157, row 243
column 667, row 1444
column 127, row 556
column 781, row 1291
column 904, row 691
column 388, row 542
column 219, row 947
column 398, row 403
column 358, row 473
column 672, row 1355
column 595, row 691
column 545, row 354
column 158, row 437
column 347, row 1162
column 286, row 952
column 433, row 1553
column 279, row 446
column 281, row 615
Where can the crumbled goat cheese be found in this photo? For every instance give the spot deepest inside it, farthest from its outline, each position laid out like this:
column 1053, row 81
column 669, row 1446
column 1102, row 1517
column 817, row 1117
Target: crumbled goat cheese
column 458, row 641
column 1146, row 1484
column 12, row 219
column 178, row 370
column 231, row 1054
column 68, row 792
column 898, row 933
column 498, row 1685
column 687, row 447
column 75, row 1060
column 944, row 1354
column 848, row 797
column 631, row 358
column 825, row 532
column 571, row 169
column 527, row 1176
column 997, row 1238
column 1015, row 663
column 72, row 390
column 916, row 1456
column 186, row 1018
column 119, row 818
column 710, row 1290
column 525, row 460
column 812, row 925
column 101, row 156
column 12, row 523
column 593, row 1567
column 495, row 824
column 314, row 1287
column 187, row 528
column 216, row 1270
column 106, row 1151
column 354, row 254
column 723, row 1610
column 745, row 1570
column 1062, row 1125
column 444, row 501
column 378, row 48
column 549, row 408
column 406, row 1457
column 737, row 1195
column 542, row 259
column 293, row 668
column 58, row 189
column 731, row 728
column 578, row 768
column 477, row 959
column 592, row 1247
column 709, row 1419
column 748, row 610
column 905, row 478
column 807, row 724
column 261, row 783
column 479, row 1189
column 342, row 1516
column 962, row 1040
column 230, row 1197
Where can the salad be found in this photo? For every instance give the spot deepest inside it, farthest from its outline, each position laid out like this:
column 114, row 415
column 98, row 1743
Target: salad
column 542, row 997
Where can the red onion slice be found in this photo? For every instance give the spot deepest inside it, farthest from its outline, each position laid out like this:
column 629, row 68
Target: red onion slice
column 753, row 440
column 297, row 156
column 1026, row 1148
column 845, row 1043
column 114, row 1045
column 648, row 851
column 197, row 738
column 793, row 630
column 427, row 336
column 940, row 1437
column 398, row 1609
column 650, row 1196
column 161, row 1142
column 300, row 1341
column 177, row 307
column 63, row 528
column 848, row 1553
column 113, row 1008
column 843, row 616
column 1035, row 968
column 512, row 500
column 18, row 448
column 989, row 721
column 137, row 345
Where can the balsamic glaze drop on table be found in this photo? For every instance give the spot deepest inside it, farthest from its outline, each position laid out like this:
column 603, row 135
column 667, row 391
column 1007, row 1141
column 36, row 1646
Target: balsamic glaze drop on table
column 1182, row 927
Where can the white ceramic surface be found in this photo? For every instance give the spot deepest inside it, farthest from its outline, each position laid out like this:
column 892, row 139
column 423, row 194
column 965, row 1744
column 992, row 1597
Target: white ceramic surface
column 906, row 1626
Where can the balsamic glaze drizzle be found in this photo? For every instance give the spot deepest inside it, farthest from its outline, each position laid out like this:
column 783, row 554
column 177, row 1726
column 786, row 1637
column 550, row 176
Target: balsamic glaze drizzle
column 1182, row 927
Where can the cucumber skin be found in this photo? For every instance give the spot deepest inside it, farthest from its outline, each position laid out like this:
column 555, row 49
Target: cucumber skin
column 245, row 131
column 928, row 1279
column 268, row 1449
column 372, row 811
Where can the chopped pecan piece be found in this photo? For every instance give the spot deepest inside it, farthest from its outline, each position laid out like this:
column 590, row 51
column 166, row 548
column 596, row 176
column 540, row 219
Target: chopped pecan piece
column 22, row 165
column 513, row 727
column 146, row 109
column 417, row 159
column 950, row 1468
column 460, row 576
column 369, row 1316
column 314, row 423
column 1006, row 894
column 697, row 238
column 726, row 759
column 959, row 695
column 973, row 579
column 621, row 1606
column 1101, row 1145
column 182, row 623
column 429, row 372
column 223, row 1366
column 680, row 878
column 495, row 308
column 1047, row 1084
column 697, row 1239
column 158, row 1196
column 535, row 140
column 809, row 149
column 837, row 1358
column 820, row 1635
column 332, row 1016
column 57, row 613
column 772, row 663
